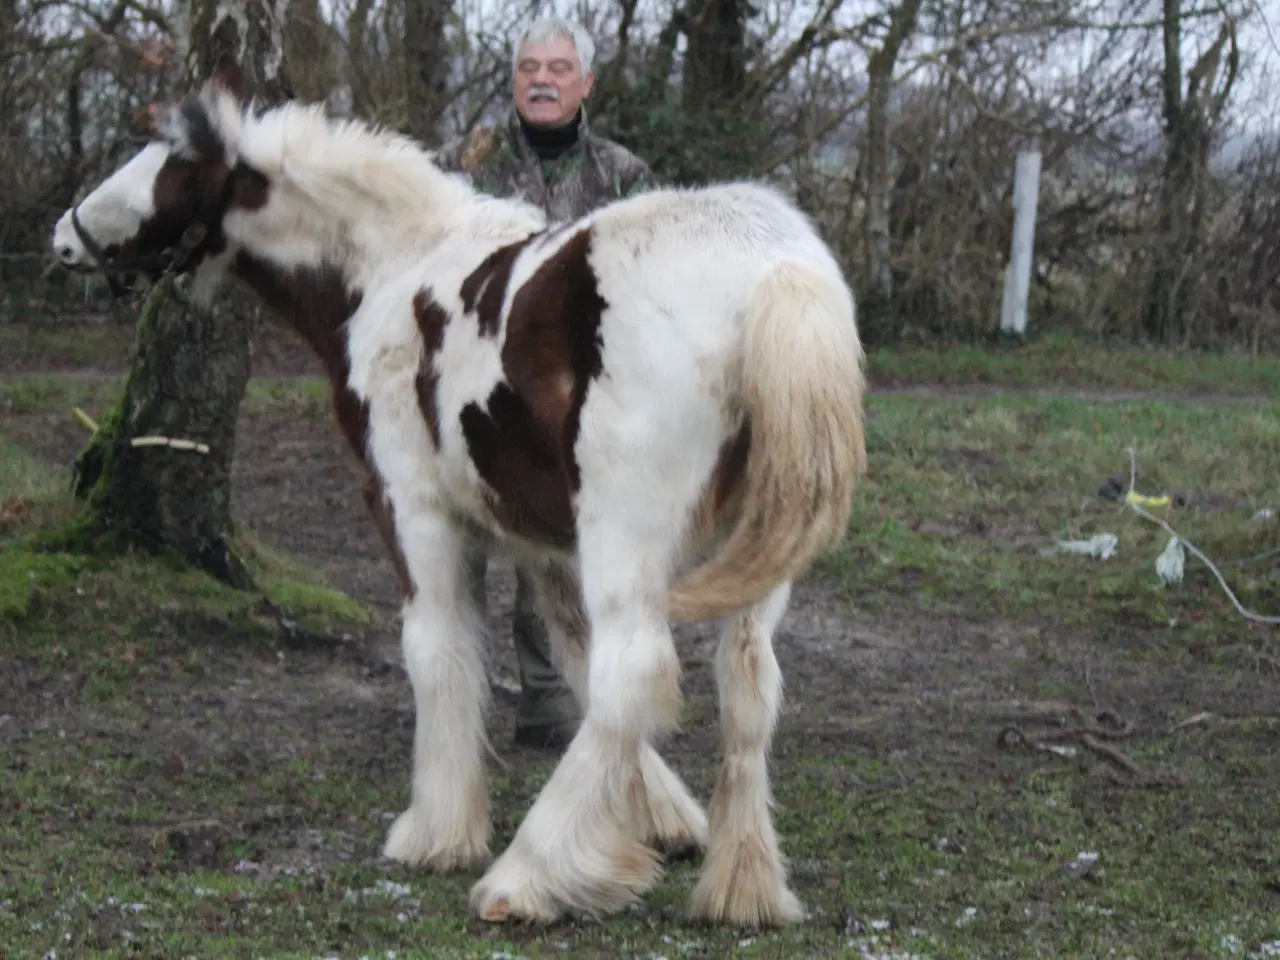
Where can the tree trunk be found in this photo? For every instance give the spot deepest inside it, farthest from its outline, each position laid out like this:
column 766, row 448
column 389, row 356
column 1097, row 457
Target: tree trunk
column 878, row 302
column 191, row 366
column 426, row 64
column 309, row 51
column 715, row 63
column 186, row 384
column 1189, row 119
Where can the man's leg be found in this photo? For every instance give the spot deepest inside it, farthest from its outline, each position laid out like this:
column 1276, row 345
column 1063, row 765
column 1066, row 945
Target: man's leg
column 547, row 714
column 477, row 563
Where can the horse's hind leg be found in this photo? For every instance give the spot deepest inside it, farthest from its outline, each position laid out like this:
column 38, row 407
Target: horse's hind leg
column 669, row 817
column 743, row 881
column 447, row 824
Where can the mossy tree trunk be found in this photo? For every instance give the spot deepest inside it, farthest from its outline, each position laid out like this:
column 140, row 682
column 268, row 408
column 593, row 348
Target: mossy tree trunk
column 191, row 366
column 186, row 384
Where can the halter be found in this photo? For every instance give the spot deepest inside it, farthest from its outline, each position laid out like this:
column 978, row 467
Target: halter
column 166, row 261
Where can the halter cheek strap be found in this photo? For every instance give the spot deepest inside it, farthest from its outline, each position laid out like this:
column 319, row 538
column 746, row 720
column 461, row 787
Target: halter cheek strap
column 166, row 261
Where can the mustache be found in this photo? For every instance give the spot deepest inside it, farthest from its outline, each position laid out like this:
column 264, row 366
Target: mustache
column 542, row 91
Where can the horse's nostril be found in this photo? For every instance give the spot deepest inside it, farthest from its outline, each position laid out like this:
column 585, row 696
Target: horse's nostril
column 66, row 255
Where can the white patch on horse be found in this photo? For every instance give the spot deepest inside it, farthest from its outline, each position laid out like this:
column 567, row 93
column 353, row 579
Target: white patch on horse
column 117, row 209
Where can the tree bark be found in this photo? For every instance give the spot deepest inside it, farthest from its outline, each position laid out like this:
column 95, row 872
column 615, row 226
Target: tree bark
column 309, row 51
column 715, row 63
column 191, row 366
column 186, row 384
column 879, row 181
column 426, row 63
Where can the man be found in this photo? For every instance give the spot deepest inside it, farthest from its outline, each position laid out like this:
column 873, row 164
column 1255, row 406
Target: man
column 546, row 154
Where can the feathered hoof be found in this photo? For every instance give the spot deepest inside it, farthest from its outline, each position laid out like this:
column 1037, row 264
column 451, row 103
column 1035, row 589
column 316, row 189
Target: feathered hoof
column 520, row 887
column 745, row 888
column 415, row 841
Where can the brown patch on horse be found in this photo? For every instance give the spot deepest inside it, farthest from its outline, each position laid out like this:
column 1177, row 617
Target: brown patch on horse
column 485, row 287
column 186, row 192
column 248, row 190
column 384, row 518
column 317, row 304
column 522, row 443
column 432, row 319
column 522, row 465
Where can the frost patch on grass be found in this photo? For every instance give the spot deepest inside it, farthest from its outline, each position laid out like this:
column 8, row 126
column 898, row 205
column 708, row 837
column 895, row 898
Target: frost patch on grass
column 392, row 889
column 879, row 948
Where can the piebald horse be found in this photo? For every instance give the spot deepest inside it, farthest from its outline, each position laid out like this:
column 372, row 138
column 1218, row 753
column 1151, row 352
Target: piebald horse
column 654, row 410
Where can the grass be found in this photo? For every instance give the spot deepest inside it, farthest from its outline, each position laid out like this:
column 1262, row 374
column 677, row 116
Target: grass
column 175, row 783
column 966, row 498
column 1051, row 361
column 100, row 840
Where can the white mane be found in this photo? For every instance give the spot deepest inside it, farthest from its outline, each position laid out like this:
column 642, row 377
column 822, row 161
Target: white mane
column 342, row 186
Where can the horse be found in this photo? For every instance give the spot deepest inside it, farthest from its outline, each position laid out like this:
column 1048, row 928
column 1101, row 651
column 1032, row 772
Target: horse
column 654, row 410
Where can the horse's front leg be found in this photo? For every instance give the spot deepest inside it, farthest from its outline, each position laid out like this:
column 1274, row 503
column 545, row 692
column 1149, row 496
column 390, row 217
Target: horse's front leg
column 667, row 816
column 447, row 825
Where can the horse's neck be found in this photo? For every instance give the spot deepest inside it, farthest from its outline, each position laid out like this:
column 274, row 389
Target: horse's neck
column 315, row 303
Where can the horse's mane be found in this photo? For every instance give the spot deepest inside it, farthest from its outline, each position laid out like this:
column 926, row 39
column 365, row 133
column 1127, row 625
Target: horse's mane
column 346, row 165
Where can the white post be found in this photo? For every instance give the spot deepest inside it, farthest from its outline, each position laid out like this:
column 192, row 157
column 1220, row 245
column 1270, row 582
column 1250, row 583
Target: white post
column 1017, row 277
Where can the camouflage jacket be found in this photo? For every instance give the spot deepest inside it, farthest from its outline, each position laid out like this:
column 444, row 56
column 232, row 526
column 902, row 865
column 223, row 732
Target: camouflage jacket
column 589, row 174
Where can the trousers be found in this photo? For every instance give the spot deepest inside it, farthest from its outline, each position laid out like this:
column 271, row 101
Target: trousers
column 545, row 696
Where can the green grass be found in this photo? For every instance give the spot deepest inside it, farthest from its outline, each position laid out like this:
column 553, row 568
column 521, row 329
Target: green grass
column 955, row 866
column 1052, row 361
column 965, row 499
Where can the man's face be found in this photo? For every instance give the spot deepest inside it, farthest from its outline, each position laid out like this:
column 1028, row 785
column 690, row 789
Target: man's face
column 549, row 83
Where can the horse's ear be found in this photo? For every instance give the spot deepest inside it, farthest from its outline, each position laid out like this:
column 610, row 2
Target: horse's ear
column 228, row 76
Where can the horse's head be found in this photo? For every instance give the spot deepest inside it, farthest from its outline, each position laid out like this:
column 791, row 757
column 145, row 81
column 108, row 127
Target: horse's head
column 162, row 210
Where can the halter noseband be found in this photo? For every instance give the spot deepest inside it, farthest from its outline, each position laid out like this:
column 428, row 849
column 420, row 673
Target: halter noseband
column 166, row 261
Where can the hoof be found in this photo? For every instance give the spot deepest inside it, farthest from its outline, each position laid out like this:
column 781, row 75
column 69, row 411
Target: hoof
column 745, row 888
column 414, row 841
column 520, row 887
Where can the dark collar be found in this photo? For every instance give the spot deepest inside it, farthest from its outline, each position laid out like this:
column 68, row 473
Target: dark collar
column 550, row 142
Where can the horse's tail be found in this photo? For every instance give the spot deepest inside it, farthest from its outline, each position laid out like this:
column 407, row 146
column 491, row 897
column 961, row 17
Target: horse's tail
column 801, row 390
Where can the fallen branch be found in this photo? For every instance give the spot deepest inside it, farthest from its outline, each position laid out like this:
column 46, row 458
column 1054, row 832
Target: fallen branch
column 1106, row 725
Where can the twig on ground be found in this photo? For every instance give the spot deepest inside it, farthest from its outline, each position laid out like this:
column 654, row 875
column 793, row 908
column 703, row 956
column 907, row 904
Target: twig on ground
column 1140, row 511
column 1106, row 725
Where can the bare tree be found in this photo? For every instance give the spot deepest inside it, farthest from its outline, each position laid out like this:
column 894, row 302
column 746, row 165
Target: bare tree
column 1190, row 118
column 878, row 296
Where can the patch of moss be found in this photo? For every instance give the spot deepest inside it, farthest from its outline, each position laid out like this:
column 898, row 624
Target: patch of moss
column 71, row 578
column 325, row 607
column 298, row 590
column 25, row 578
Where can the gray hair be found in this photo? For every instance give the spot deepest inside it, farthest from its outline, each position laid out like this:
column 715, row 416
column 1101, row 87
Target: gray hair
column 549, row 28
